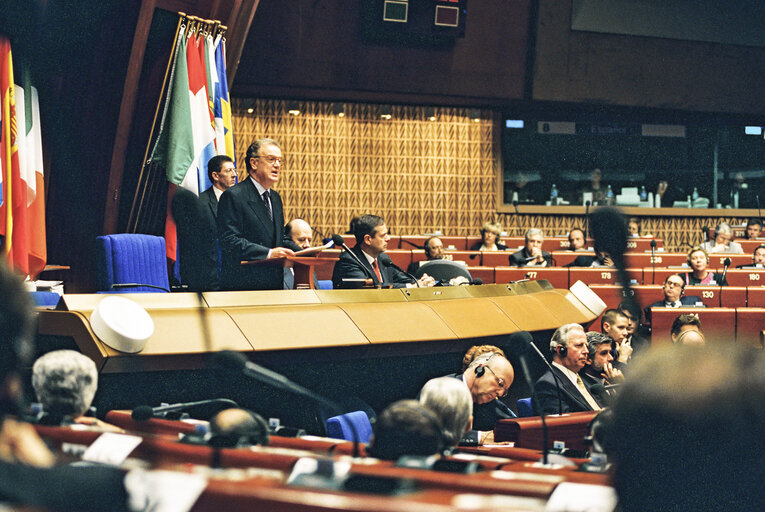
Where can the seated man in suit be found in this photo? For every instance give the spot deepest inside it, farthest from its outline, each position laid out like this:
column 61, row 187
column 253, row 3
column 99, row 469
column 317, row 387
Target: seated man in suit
column 753, row 228
column 532, row 254
column 568, row 347
column 452, row 403
column 300, row 232
column 367, row 259
column 251, row 223
column 601, row 259
column 599, row 368
column 406, row 427
column 576, row 241
column 674, row 296
column 434, row 250
column 758, row 258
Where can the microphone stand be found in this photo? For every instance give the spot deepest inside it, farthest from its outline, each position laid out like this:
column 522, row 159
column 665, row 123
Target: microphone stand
column 726, row 264
column 389, row 263
column 653, row 261
column 586, row 220
column 530, row 382
column 555, row 377
column 116, row 286
column 338, row 240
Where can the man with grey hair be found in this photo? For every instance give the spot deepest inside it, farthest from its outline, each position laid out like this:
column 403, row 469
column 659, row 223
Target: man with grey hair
column 722, row 242
column 599, row 368
column 452, row 403
column 532, row 254
column 65, row 383
column 568, row 347
column 251, row 223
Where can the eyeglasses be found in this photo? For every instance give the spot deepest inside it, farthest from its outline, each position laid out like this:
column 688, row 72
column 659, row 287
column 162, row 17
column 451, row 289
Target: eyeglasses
column 232, row 170
column 271, row 159
column 500, row 381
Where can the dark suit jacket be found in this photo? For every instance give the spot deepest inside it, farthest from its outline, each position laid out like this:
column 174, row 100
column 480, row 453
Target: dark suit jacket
column 582, row 261
column 546, row 395
column 210, row 201
column 518, row 259
column 197, row 241
column 685, row 300
column 247, row 233
column 603, row 398
column 348, row 268
column 485, row 416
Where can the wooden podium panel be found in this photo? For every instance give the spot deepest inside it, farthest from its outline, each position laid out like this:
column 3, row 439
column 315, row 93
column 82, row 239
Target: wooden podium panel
column 400, row 257
column 528, row 312
column 750, row 245
column 469, row 257
column 565, row 305
column 717, row 260
column 372, row 295
column 394, row 322
column 260, row 298
column 490, row 290
column 750, row 322
column 643, row 244
column 304, row 326
column 460, row 316
column 717, row 324
column 458, row 243
column 527, row 432
column 495, row 258
column 87, row 302
column 435, row 293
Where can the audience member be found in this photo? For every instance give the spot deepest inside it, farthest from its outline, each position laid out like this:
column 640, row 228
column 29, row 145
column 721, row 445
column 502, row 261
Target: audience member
column 300, row 232
column 477, row 350
column 453, row 405
column 65, row 383
column 594, row 187
column 251, row 223
column 722, row 241
column 406, row 427
column 690, row 337
column 488, row 378
column 222, row 174
column 532, row 254
column 27, row 477
column 370, row 261
column 237, row 427
column 684, row 428
column 599, row 368
column 753, row 228
column 569, row 351
column 615, row 323
column 634, row 339
column 490, row 233
column 758, row 258
column 601, row 259
column 576, row 240
column 674, row 295
column 698, row 259
column 434, row 250
column 684, row 323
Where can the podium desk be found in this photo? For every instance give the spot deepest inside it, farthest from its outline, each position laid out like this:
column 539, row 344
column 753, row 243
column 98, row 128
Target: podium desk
column 485, row 274
column 749, row 324
column 495, row 258
column 750, row 245
column 659, row 259
column 755, row 296
column 717, row 260
column 571, row 428
column 602, row 275
column 717, row 324
column 557, row 276
column 458, row 243
column 745, row 277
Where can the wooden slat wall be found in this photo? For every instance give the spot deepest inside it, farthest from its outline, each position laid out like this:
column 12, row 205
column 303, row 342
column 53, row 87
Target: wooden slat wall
column 420, row 175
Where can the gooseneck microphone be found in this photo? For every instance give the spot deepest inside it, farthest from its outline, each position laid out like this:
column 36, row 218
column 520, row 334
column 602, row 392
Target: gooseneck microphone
column 530, row 341
column 389, row 263
column 586, row 220
column 145, row 412
column 228, row 359
column 653, row 261
column 704, row 234
column 340, row 241
column 416, row 246
column 117, row 286
column 726, row 264
column 515, row 205
column 530, row 382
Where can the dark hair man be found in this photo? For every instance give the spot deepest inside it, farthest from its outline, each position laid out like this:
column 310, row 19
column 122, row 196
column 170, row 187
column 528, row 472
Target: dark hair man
column 26, row 475
column 532, row 254
column 568, row 347
column 370, row 261
column 684, row 426
column 576, row 241
column 758, row 258
column 753, row 228
column 222, row 174
column 599, row 368
column 251, row 223
column 406, row 427
column 684, row 324
column 616, row 323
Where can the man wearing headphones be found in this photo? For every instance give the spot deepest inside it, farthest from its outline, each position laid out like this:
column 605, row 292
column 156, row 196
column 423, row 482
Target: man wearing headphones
column 434, row 250
column 758, row 258
column 488, row 378
column 722, row 242
column 674, row 295
column 569, row 350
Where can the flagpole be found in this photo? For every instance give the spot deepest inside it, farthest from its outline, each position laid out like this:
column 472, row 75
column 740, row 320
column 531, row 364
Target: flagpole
column 153, row 124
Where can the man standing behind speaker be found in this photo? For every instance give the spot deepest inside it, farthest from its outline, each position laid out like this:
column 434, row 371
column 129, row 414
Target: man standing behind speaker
column 569, row 355
column 251, row 223
column 366, row 260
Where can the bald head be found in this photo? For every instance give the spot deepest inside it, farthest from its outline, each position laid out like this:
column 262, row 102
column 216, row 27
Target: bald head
column 300, row 232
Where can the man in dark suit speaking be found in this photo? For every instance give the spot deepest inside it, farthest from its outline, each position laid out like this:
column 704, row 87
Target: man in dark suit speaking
column 251, row 223
column 367, row 261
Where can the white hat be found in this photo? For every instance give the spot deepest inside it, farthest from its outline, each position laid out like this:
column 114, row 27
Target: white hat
column 122, row 324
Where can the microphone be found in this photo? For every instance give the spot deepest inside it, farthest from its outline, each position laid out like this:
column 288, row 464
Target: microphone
column 653, row 261
column 340, row 241
column 530, row 382
column 530, row 341
column 515, row 205
column 117, row 286
column 726, row 264
column 389, row 263
column 586, row 220
column 412, row 244
column 477, row 280
column 230, row 360
column 704, row 234
column 146, row 412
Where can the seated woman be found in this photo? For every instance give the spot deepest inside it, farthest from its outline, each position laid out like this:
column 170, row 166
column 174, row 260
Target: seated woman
column 698, row 259
column 489, row 238
column 722, row 242
column 633, row 228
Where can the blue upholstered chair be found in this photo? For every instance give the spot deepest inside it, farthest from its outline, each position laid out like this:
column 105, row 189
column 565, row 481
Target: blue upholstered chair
column 125, row 259
column 325, row 284
column 525, row 408
column 45, row 299
column 338, row 426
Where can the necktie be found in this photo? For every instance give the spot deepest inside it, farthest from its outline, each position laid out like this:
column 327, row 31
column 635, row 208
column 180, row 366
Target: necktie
column 377, row 271
column 267, row 201
column 586, row 394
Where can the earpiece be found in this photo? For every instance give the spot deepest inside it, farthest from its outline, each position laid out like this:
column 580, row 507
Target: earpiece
column 562, row 350
column 480, row 370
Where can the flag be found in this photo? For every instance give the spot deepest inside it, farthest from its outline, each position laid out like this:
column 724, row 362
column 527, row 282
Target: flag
column 223, row 103
column 202, row 119
column 13, row 212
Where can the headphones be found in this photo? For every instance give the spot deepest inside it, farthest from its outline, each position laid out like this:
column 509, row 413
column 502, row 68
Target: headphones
column 697, row 249
column 562, row 350
column 480, row 370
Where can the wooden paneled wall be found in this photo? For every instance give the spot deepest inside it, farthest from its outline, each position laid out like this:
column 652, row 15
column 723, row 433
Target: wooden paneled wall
column 420, row 175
